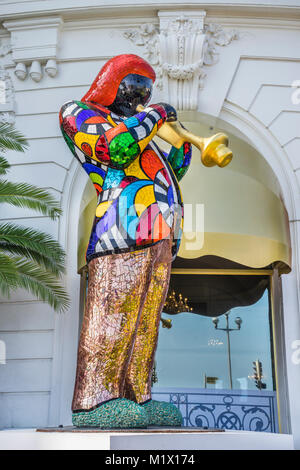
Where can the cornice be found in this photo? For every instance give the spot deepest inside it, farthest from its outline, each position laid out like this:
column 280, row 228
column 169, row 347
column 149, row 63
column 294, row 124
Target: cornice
column 126, row 22
column 225, row 20
column 111, row 23
column 33, row 23
column 257, row 23
column 68, row 9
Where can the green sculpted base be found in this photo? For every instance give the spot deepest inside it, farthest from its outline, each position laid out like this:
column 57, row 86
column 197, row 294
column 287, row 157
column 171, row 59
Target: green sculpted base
column 162, row 413
column 120, row 413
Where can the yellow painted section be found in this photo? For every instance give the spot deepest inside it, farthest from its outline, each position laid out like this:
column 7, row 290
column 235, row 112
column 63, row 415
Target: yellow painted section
column 81, row 138
column 144, row 198
column 111, row 121
column 134, row 169
column 143, row 143
column 248, row 250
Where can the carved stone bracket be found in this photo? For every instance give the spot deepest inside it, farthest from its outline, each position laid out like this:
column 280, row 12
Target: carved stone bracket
column 34, row 45
column 179, row 49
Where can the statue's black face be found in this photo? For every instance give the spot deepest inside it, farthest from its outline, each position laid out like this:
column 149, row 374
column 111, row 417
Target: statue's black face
column 133, row 90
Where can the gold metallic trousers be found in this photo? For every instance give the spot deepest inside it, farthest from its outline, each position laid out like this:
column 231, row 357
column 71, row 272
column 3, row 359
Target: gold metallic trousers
column 126, row 294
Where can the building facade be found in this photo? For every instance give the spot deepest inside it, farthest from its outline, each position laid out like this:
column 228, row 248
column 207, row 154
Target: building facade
column 233, row 68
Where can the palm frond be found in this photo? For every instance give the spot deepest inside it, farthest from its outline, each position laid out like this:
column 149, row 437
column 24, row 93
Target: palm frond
column 27, row 195
column 42, row 284
column 11, row 139
column 32, row 244
column 8, row 273
column 29, row 259
column 4, row 166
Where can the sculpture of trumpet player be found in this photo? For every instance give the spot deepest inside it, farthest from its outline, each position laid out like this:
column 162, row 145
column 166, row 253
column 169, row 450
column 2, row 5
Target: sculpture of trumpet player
column 135, row 235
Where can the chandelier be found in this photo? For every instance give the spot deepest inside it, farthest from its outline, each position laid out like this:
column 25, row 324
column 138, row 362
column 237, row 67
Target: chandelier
column 176, row 304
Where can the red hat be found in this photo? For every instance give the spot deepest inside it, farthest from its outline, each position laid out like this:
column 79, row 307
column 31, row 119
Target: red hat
column 105, row 86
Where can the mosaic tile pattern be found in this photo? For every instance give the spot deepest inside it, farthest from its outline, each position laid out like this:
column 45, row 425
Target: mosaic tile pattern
column 161, row 413
column 120, row 413
column 138, row 223
column 117, row 153
column 126, row 293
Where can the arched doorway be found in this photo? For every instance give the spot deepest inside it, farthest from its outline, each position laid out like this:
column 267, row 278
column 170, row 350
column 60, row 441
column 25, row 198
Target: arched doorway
column 229, row 261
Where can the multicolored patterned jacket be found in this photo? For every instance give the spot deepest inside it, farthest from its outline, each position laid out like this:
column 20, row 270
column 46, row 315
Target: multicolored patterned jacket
column 139, row 201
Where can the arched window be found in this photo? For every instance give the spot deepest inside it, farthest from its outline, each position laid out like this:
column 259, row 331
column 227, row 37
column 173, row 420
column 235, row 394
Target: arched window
column 219, row 361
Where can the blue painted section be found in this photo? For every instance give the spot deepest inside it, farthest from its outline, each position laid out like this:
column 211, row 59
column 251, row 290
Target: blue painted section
column 90, row 168
column 113, row 178
column 131, row 122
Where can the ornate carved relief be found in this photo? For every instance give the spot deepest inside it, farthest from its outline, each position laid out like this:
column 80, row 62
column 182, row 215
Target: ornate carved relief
column 7, row 114
column 5, row 48
column 179, row 49
column 216, row 36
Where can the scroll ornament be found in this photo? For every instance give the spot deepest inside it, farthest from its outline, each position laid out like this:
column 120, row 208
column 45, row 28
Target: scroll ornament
column 148, row 37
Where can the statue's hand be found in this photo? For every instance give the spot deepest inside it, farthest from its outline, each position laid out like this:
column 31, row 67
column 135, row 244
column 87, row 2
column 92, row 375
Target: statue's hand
column 170, row 111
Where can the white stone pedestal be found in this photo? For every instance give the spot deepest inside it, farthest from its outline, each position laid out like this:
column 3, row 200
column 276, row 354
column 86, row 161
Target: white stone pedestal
column 30, row 439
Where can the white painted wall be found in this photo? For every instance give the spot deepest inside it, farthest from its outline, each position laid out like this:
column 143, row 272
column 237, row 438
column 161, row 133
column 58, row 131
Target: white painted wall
column 249, row 88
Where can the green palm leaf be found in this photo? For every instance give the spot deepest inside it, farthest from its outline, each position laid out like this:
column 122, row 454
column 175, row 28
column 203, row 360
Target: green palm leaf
column 8, row 273
column 42, row 284
column 29, row 259
column 26, row 195
column 32, row 244
column 11, row 139
column 4, row 165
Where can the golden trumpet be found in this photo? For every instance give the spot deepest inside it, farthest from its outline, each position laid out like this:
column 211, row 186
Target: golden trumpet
column 214, row 150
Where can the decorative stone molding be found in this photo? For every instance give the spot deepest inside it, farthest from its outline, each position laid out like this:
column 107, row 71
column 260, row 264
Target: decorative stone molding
column 216, row 36
column 34, row 44
column 179, row 49
column 36, row 71
column 6, row 97
column 51, row 68
column 5, row 48
column 7, row 101
column 7, row 118
column 21, row 71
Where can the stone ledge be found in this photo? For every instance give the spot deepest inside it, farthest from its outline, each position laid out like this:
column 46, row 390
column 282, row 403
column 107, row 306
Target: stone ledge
column 29, row 439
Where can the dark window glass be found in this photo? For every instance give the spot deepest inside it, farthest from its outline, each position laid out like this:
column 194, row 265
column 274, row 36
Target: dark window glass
column 192, row 359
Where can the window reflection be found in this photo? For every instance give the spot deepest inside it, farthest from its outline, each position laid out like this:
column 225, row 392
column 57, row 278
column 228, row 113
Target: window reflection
column 194, row 354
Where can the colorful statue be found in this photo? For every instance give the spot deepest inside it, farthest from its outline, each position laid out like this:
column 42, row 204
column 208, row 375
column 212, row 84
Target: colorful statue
column 135, row 235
